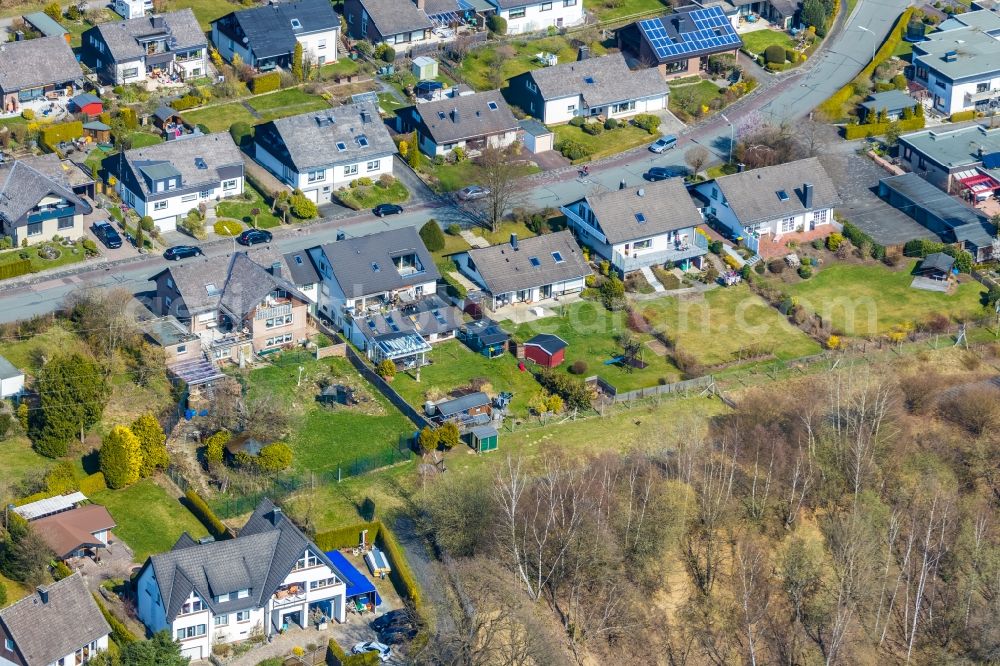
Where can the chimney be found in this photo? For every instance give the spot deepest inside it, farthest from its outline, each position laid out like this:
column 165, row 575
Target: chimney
column 276, row 269
column 421, row 4
column 157, row 21
column 583, row 53
column 807, row 195
column 43, row 593
column 275, row 516
column 513, row 241
column 981, row 152
column 454, row 115
column 740, row 168
column 19, row 36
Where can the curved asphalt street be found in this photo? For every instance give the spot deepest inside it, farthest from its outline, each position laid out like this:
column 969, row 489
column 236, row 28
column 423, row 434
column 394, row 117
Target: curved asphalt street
column 789, row 98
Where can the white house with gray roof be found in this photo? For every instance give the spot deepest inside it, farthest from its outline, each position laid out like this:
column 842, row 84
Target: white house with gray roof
column 167, row 180
column 636, row 227
column 134, row 50
column 57, row 625
column 322, row 151
column 34, row 68
column 591, row 88
column 469, row 122
column 269, row 577
column 525, row 16
column 37, row 201
column 265, row 37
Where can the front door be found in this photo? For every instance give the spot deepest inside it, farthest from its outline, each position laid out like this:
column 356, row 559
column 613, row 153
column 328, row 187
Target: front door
column 546, row 291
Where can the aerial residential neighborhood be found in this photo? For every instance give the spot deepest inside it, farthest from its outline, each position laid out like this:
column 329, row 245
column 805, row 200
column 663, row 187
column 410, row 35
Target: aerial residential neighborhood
column 499, row 332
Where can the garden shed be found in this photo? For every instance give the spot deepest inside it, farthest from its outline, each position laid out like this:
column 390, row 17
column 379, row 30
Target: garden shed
column 937, row 266
column 88, row 104
column 537, row 138
column 546, row 350
column 99, row 132
column 484, row 336
column 483, row 438
column 424, row 68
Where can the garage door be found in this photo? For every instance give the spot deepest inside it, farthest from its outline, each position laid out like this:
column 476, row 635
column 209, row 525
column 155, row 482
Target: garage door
column 194, row 652
column 312, row 195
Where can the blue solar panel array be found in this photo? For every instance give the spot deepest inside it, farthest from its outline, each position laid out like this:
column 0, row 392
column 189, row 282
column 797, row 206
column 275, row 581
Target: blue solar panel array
column 712, row 30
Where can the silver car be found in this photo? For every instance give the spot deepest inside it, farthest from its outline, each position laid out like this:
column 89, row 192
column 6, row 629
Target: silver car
column 384, row 651
column 473, row 192
column 663, row 144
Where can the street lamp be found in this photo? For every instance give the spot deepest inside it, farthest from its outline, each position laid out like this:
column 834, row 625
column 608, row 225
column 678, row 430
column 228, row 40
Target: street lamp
column 732, row 136
column 874, row 39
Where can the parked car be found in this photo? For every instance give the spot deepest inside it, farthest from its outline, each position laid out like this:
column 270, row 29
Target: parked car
column 254, row 236
column 660, row 173
column 398, row 634
column 387, row 209
column 182, row 252
column 107, row 234
column 473, row 192
column 390, row 619
column 664, row 143
column 384, row 651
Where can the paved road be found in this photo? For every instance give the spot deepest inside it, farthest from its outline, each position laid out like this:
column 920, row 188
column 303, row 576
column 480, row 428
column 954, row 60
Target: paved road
column 788, row 98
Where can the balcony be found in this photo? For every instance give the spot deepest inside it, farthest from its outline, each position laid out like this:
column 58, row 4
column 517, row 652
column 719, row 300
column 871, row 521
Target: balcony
column 293, row 593
column 51, row 213
column 971, row 99
column 678, row 252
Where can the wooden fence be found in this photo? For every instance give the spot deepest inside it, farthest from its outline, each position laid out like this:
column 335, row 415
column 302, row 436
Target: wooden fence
column 706, row 382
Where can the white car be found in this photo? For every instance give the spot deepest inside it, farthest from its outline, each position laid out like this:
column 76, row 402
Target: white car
column 473, row 192
column 663, row 144
column 384, row 651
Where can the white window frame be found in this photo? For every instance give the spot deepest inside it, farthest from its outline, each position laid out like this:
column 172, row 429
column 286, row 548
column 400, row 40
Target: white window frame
column 243, row 616
column 351, row 170
column 373, row 165
column 160, row 205
column 517, row 12
column 786, row 225
column 229, row 184
column 189, row 197
column 321, row 44
column 221, row 620
column 316, row 176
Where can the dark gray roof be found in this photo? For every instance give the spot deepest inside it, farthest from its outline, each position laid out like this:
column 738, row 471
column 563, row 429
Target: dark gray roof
column 164, row 113
column 269, row 29
column 487, row 330
column 534, row 128
column 662, row 206
column 428, row 316
column 505, row 269
column 181, row 27
column 37, row 62
column 259, row 558
column 890, row 100
column 301, row 269
column 24, row 183
column 45, row 631
column 84, row 99
column 938, row 261
column 923, row 200
column 313, row 140
column 248, row 283
column 753, row 195
column 392, row 17
column 7, row 369
column 550, row 343
column 466, row 117
column 449, row 408
column 352, row 262
column 215, row 150
column 612, row 81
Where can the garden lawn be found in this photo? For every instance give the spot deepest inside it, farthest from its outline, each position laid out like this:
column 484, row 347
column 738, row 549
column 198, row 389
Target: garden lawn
column 143, row 139
column 28, row 353
column 149, row 520
column 18, row 460
column 325, row 438
column 591, row 333
column 288, row 102
column 608, row 142
column 389, row 104
column 869, row 299
column 626, row 8
column 219, row 118
column 239, row 209
column 205, row 11
column 343, row 67
column 755, row 42
column 227, row 227
column 454, row 366
column 452, row 177
column 480, row 62
column 691, row 98
column 66, row 257
column 369, row 196
column 727, row 321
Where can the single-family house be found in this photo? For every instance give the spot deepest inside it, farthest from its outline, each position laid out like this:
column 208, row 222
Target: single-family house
column 601, row 87
column 76, row 532
column 952, row 220
column 46, row 25
column 526, row 270
column 238, row 305
column 893, row 103
column 269, row 578
column 166, row 46
column 130, row 9
column 774, row 203
column 58, row 624
column 680, row 43
column 405, row 22
column 322, row 151
column 167, row 180
column 37, row 68
column 469, row 122
column 524, row 16
column 545, row 349
column 936, row 266
column 484, row 336
column 303, row 274
column 955, row 160
column 37, row 201
column 634, row 227
column 471, row 409
column 265, row 37
column 11, row 379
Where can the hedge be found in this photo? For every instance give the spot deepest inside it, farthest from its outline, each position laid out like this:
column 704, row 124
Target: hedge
column 401, row 575
column 346, row 537
column 857, row 237
column 186, row 102
column 455, row 288
column 335, row 656
column 53, row 134
column 15, row 268
column 962, row 116
column 120, row 634
column 877, row 129
column 265, row 83
column 204, row 513
column 93, row 483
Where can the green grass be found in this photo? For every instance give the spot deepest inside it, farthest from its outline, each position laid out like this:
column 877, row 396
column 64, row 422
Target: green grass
column 716, row 329
column 608, row 142
column 452, row 177
column 691, row 98
column 476, row 67
column 388, row 103
column 454, row 366
column 904, row 50
column 18, row 460
column 720, row 170
column 228, row 227
column 343, row 67
column 627, row 8
column 369, row 196
column 284, row 103
column 240, row 209
column 219, row 118
column 755, row 42
column 65, row 257
column 870, row 299
column 205, row 11
column 591, row 333
column 324, row 438
column 149, row 520
column 143, row 139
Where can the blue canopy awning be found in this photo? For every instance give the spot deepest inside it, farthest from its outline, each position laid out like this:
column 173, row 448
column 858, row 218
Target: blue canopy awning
column 358, row 584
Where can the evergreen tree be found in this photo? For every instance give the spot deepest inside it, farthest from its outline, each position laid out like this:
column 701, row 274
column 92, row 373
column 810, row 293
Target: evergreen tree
column 24, row 557
column 121, row 457
column 160, row 650
column 432, row 236
column 297, row 62
column 152, row 443
column 448, row 435
column 414, row 156
column 72, row 392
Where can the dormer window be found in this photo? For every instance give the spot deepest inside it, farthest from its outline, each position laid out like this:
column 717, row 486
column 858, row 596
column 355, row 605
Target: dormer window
column 193, row 604
column 243, row 594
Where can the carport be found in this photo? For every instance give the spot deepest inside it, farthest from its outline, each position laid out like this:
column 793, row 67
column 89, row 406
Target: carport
column 360, row 590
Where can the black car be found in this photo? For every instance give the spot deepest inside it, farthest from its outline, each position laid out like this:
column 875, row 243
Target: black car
column 392, row 619
column 397, row 634
column 107, row 234
column 387, row 209
column 254, row 236
column 182, row 252
column 660, row 173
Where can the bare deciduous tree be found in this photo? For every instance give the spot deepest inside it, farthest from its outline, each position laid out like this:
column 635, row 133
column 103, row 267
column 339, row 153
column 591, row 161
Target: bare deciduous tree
column 498, row 171
column 696, row 158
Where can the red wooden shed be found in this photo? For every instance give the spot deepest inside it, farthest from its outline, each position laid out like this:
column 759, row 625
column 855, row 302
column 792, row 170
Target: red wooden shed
column 545, row 349
column 89, row 104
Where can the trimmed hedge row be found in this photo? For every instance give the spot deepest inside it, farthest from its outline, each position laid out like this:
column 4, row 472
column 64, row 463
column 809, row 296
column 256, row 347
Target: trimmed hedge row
column 93, row 483
column 401, row 575
column 265, row 83
column 335, row 656
column 204, row 513
column 53, row 134
column 15, row 268
column 347, row 537
column 120, row 634
column 857, row 237
column 962, row 116
column 877, row 129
